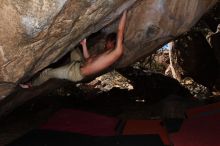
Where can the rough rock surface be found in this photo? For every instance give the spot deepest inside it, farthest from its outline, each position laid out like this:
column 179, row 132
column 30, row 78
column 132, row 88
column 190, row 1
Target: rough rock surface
column 197, row 59
column 34, row 34
column 215, row 44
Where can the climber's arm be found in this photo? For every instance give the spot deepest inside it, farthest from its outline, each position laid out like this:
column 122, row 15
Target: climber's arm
column 101, row 62
column 85, row 49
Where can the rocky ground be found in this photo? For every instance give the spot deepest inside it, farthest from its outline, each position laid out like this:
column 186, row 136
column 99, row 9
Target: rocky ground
column 139, row 95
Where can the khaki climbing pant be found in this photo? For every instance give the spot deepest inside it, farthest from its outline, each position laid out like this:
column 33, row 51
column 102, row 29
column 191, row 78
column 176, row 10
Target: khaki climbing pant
column 70, row 71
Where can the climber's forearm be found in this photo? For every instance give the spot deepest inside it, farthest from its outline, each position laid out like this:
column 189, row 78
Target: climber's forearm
column 121, row 28
column 85, row 51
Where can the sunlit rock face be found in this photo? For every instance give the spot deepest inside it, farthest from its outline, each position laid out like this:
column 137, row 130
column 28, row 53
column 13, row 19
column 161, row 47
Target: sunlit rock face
column 34, row 34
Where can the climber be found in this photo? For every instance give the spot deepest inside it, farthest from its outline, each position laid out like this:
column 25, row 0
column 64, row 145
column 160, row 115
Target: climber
column 77, row 69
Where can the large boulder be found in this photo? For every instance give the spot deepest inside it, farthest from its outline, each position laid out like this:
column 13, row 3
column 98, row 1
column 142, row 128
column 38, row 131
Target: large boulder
column 216, row 45
column 34, row 34
column 197, row 59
